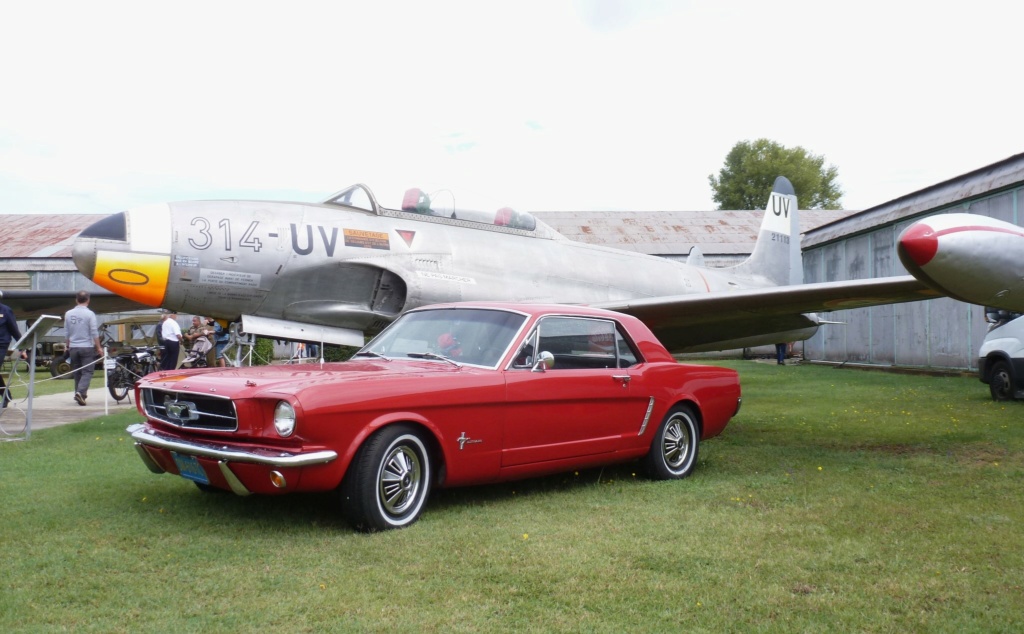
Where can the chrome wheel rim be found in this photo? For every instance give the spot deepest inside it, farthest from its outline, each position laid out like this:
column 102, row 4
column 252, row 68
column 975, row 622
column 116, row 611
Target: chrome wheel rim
column 400, row 479
column 676, row 443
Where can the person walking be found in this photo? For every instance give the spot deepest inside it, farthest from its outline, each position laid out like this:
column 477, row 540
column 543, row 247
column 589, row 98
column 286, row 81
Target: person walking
column 83, row 341
column 780, row 353
column 171, row 332
column 9, row 332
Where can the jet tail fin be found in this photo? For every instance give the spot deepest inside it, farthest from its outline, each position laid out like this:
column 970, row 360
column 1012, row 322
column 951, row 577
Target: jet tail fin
column 695, row 257
column 776, row 255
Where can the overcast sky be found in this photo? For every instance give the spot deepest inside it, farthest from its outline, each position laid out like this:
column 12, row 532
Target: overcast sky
column 548, row 105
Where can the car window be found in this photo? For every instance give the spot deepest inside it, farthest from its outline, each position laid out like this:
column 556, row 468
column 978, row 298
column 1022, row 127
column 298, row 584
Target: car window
column 578, row 343
column 627, row 355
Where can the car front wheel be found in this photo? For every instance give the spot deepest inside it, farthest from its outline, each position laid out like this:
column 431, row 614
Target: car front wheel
column 1000, row 384
column 388, row 481
column 673, row 453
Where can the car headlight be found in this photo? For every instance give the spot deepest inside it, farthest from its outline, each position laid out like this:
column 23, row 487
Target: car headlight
column 284, row 418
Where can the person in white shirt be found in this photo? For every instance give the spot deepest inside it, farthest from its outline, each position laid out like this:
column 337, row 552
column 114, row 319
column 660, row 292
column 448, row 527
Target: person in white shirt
column 171, row 332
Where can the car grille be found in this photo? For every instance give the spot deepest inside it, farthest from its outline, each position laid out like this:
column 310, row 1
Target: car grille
column 194, row 411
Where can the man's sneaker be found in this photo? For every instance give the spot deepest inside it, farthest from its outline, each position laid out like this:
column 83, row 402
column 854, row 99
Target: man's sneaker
column 79, row 399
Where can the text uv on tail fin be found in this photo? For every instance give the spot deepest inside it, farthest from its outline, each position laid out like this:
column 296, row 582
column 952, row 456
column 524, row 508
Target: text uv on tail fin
column 776, row 257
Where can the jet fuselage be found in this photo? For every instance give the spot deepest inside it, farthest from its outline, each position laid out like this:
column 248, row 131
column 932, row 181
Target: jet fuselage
column 355, row 268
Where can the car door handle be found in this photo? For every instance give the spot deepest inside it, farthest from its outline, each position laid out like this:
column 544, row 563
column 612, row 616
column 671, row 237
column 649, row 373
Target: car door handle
column 621, row 377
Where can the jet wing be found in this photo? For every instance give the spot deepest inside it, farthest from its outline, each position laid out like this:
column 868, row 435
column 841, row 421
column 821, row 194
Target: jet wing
column 719, row 321
column 29, row 305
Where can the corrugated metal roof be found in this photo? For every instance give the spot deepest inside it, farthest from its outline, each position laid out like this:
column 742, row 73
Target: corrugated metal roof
column 41, row 236
column 954, row 194
column 673, row 232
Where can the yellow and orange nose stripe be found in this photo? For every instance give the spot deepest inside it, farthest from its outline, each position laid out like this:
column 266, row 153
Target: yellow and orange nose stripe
column 138, row 276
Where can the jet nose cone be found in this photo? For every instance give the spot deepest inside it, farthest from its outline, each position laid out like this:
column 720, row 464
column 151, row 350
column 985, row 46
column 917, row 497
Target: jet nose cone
column 919, row 243
column 134, row 264
column 113, row 227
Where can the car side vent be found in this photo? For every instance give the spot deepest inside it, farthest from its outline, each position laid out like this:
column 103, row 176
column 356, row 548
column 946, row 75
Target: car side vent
column 192, row 411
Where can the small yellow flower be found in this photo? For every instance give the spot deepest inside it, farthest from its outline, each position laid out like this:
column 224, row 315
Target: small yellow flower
column 819, row 468
column 526, row 536
column 323, row 587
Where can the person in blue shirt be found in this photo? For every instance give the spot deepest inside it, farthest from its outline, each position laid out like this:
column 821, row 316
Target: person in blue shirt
column 9, row 332
column 221, row 337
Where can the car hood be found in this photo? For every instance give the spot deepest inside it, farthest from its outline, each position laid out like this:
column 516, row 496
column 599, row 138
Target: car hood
column 251, row 382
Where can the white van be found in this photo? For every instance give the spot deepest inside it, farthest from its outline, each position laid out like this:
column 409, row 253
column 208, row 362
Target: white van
column 1001, row 357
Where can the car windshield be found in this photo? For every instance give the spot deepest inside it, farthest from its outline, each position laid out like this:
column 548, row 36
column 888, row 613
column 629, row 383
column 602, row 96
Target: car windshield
column 472, row 336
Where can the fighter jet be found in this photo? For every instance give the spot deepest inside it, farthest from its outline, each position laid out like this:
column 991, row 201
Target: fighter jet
column 337, row 270
column 972, row 258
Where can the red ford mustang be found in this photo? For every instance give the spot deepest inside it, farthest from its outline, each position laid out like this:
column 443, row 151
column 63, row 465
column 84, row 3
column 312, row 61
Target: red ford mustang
column 448, row 395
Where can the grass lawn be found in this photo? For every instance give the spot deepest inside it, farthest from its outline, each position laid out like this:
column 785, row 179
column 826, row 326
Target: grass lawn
column 837, row 500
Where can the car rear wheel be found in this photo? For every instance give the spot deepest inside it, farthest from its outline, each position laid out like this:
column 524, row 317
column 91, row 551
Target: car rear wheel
column 673, row 453
column 388, row 481
column 1000, row 383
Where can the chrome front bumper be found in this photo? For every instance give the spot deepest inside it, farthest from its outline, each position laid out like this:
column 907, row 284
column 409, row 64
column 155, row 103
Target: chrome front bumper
column 222, row 453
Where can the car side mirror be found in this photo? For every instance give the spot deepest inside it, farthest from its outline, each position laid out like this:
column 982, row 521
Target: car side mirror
column 545, row 361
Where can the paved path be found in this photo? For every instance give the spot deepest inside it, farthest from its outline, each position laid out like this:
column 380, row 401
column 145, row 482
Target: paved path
column 61, row 409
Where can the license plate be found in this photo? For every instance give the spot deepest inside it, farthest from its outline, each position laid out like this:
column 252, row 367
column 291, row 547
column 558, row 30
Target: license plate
column 110, row 364
column 190, row 468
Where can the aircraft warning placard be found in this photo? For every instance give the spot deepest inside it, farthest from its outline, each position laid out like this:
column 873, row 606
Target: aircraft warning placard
column 366, row 239
column 218, row 277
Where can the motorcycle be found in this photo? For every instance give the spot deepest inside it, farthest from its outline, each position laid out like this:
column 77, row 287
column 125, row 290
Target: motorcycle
column 128, row 366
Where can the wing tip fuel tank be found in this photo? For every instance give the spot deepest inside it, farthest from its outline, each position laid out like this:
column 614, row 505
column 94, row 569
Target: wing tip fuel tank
column 969, row 257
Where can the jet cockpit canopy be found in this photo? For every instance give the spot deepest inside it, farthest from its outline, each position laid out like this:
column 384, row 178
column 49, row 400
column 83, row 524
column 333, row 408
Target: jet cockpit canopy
column 440, row 203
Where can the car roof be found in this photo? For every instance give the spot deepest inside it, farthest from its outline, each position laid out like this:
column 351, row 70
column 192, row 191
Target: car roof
column 531, row 309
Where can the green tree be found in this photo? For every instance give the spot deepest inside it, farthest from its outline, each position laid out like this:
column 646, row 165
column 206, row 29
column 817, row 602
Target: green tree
column 746, row 180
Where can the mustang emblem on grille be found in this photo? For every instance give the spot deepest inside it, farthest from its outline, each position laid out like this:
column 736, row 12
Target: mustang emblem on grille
column 182, row 410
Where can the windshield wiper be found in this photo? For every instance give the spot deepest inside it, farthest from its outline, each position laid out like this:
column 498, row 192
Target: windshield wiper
column 371, row 353
column 433, row 355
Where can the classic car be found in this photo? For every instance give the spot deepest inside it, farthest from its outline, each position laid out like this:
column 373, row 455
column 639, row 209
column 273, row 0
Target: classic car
column 448, row 395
